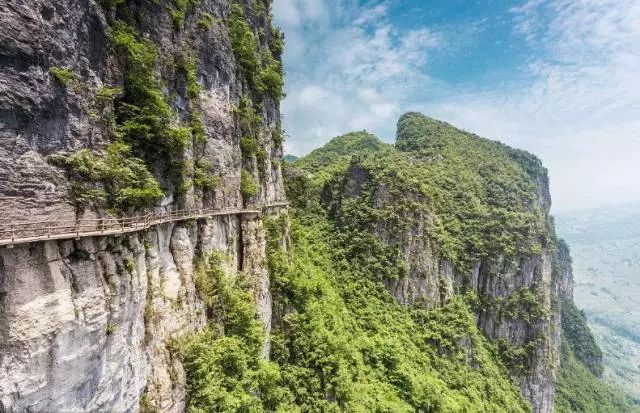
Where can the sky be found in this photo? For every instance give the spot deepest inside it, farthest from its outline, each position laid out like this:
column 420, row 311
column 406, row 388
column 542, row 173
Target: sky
column 559, row 78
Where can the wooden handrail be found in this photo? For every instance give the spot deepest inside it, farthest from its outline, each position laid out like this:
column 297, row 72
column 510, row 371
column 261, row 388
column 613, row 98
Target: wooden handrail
column 33, row 231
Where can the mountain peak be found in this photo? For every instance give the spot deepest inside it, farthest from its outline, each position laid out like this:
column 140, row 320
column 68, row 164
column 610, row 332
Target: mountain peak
column 415, row 131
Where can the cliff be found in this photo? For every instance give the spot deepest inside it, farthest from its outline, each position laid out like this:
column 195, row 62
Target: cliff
column 117, row 108
column 447, row 213
column 420, row 276
column 444, row 214
column 578, row 385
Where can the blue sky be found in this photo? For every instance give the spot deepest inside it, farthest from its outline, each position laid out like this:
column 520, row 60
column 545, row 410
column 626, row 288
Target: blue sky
column 560, row 78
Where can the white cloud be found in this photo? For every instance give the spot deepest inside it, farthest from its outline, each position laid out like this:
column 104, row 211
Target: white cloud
column 581, row 112
column 348, row 71
column 579, row 108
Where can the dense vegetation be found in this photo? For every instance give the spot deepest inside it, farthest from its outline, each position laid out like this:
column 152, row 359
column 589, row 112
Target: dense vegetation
column 114, row 180
column 339, row 340
column 579, row 390
column 604, row 245
column 342, row 343
column 224, row 364
column 475, row 200
column 578, row 387
column 579, row 337
column 480, row 192
column 258, row 57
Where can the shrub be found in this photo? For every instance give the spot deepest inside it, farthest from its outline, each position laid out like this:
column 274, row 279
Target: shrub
column 188, row 66
column 111, row 328
column 107, row 94
column 261, row 158
column 63, row 75
column 271, row 80
column 177, row 17
column 243, row 42
column 249, row 121
column 248, row 146
column 277, row 42
column 248, row 186
column 277, row 137
column 206, row 22
column 116, row 180
column 197, row 128
column 179, row 11
column 203, row 178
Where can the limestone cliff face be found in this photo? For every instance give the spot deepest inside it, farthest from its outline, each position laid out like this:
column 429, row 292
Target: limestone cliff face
column 564, row 271
column 518, row 307
column 39, row 116
column 430, row 280
column 87, row 325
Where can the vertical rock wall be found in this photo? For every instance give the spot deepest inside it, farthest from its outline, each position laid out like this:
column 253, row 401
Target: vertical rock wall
column 87, row 325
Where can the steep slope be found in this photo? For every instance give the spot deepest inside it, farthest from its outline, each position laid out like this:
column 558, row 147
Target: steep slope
column 424, row 276
column 449, row 214
column 117, row 108
column 579, row 388
column 604, row 244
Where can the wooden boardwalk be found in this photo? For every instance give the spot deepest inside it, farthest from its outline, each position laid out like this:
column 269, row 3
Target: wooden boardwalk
column 25, row 232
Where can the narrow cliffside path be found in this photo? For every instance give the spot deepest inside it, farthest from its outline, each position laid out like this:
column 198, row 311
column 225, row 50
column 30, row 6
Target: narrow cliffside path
column 27, row 232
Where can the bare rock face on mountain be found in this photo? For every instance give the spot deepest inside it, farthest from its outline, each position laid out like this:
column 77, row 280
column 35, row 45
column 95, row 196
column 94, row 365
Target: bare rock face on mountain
column 154, row 100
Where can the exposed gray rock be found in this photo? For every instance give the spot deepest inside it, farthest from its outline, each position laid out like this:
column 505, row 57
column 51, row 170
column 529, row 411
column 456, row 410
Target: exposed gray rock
column 86, row 325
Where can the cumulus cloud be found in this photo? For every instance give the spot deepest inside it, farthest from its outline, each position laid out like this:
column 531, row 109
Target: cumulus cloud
column 575, row 101
column 348, row 69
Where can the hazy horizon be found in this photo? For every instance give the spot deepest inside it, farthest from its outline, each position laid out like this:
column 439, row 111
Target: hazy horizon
column 554, row 77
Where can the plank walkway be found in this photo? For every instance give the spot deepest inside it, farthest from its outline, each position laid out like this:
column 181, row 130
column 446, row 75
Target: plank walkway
column 25, row 232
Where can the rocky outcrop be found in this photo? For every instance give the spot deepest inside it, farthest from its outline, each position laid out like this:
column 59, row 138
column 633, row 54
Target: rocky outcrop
column 40, row 116
column 564, row 270
column 88, row 325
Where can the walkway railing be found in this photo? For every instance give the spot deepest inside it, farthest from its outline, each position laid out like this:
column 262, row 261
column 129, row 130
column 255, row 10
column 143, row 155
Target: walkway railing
column 25, row 232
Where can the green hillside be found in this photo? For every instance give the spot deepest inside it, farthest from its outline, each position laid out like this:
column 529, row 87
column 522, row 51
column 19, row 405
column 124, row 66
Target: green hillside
column 340, row 341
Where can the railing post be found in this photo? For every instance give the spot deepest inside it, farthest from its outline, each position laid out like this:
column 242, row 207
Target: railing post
column 48, row 230
column 13, row 235
column 77, row 228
